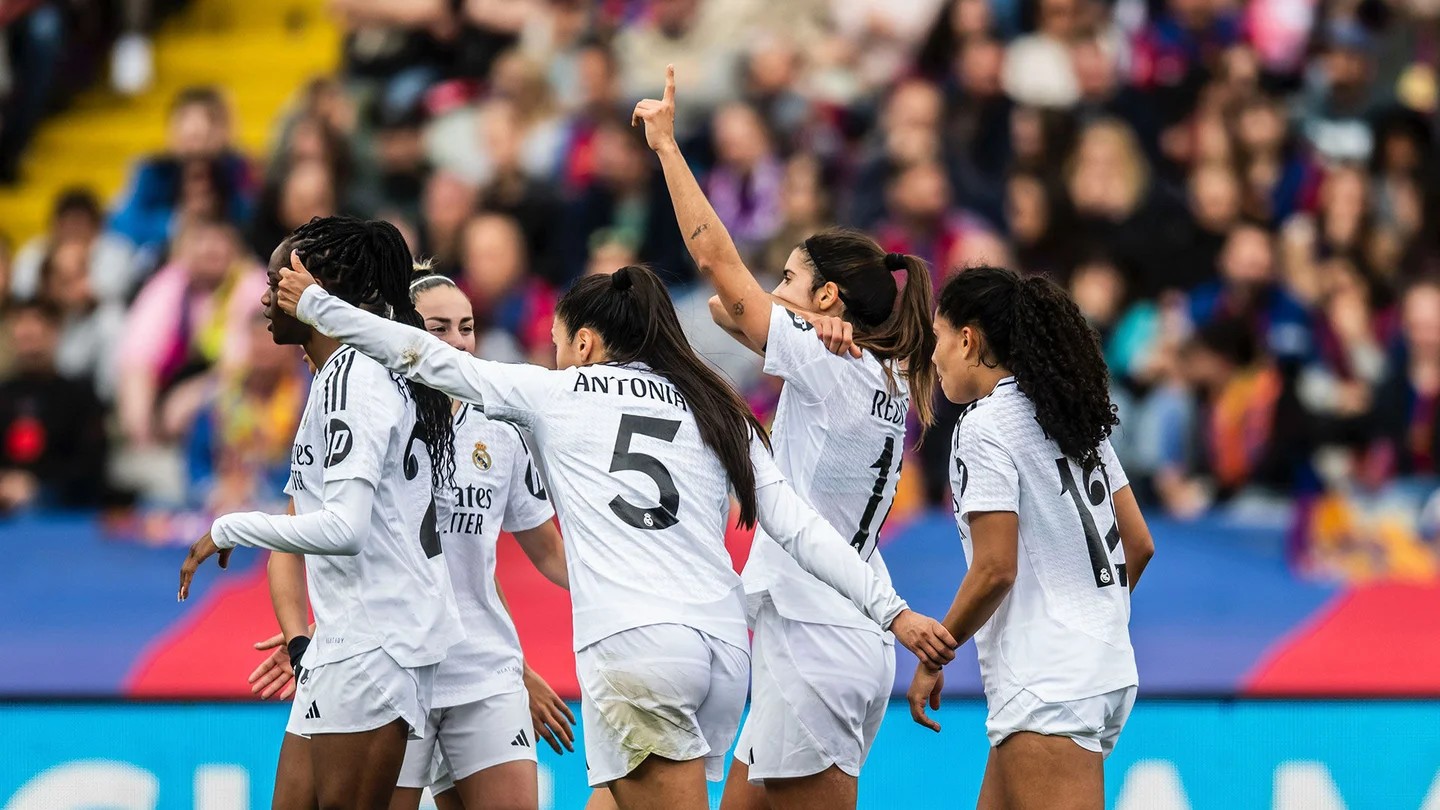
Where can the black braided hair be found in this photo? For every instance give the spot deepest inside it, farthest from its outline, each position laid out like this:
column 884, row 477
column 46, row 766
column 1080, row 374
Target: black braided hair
column 1031, row 327
column 368, row 264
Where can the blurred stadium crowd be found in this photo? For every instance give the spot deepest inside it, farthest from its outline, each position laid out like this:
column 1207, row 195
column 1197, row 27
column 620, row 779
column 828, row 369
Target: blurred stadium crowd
column 1242, row 197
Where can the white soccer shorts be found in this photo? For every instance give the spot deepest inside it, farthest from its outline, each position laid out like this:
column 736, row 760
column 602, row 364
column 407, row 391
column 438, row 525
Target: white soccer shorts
column 663, row 689
column 1094, row 723
column 818, row 695
column 360, row 693
column 463, row 740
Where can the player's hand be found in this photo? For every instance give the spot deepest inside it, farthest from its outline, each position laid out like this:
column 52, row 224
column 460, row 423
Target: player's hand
column 925, row 687
column 553, row 719
column 293, row 281
column 925, row 637
column 659, row 116
column 274, row 674
column 837, row 334
column 202, row 550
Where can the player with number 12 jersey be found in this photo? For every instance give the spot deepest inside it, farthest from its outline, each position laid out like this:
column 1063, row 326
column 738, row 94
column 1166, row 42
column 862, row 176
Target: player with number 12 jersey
column 1054, row 540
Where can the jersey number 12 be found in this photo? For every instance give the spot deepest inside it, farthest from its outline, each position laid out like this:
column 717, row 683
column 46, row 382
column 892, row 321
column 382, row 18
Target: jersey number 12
column 1096, row 492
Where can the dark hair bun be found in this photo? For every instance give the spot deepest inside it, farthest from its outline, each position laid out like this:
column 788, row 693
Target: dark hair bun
column 620, row 280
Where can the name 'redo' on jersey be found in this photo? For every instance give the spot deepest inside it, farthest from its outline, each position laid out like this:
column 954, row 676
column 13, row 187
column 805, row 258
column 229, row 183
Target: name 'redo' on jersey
column 497, row 488
column 839, row 437
column 1063, row 630
column 359, row 423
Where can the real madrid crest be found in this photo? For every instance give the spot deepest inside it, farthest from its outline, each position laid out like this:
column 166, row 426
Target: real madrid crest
column 481, row 457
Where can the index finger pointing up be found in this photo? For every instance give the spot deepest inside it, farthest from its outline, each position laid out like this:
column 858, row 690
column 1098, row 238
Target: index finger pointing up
column 669, row 83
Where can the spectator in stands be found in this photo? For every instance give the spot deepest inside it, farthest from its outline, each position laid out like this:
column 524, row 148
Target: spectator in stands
column 393, row 48
column 804, row 209
column 239, row 447
column 77, row 220
column 1232, row 423
column 36, row 46
column 627, row 196
column 448, row 203
column 1249, row 292
column 608, row 253
column 512, row 191
column 923, row 220
column 701, row 38
column 772, row 86
column 1338, row 104
column 598, row 102
column 556, row 36
column 306, row 191
column 513, row 309
column 1278, row 176
column 744, row 185
column 192, row 315
column 521, row 98
column 392, row 180
column 200, row 173
column 90, row 326
column 52, row 431
column 1110, row 188
column 1041, row 232
column 1214, row 197
column 908, row 132
column 1405, row 421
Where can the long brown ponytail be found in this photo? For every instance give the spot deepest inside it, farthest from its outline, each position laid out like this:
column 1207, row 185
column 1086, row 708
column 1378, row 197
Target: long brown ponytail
column 891, row 320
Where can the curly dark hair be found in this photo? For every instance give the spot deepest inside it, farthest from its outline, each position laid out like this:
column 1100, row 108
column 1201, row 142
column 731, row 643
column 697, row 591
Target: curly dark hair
column 368, row 264
column 1033, row 329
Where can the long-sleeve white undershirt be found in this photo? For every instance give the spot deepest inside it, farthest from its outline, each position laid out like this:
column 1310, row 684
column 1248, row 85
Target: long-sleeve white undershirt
column 339, row 528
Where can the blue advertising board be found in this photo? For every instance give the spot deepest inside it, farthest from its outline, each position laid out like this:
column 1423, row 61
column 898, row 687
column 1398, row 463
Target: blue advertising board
column 1185, row 755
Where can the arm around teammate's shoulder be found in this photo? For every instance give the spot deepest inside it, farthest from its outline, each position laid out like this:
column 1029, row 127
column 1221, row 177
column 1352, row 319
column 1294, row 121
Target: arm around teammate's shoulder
column 510, row 391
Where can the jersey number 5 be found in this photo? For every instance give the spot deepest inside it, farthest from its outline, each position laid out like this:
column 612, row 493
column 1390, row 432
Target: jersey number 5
column 1097, row 492
column 429, row 532
column 666, row 514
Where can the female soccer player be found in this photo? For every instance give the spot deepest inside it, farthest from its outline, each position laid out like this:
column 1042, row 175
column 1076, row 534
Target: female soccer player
column 1047, row 593
column 823, row 672
column 642, row 444
column 365, row 521
column 486, row 696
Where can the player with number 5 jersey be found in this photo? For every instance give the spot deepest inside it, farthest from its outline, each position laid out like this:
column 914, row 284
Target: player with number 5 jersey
column 642, row 444
column 1054, row 539
column 823, row 674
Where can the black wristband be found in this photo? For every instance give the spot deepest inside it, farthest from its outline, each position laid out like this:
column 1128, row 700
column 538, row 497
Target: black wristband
column 297, row 647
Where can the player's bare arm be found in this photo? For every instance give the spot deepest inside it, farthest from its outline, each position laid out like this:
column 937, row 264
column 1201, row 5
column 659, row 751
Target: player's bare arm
column 1134, row 534
column 996, row 538
column 546, row 550
column 744, row 300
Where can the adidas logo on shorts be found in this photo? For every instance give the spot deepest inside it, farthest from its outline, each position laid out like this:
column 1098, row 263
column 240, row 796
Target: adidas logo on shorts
column 521, row 740
column 314, row 713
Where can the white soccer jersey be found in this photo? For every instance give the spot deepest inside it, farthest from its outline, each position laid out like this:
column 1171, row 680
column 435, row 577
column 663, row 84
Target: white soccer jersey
column 839, row 436
column 642, row 501
column 1063, row 630
column 496, row 488
column 395, row 594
